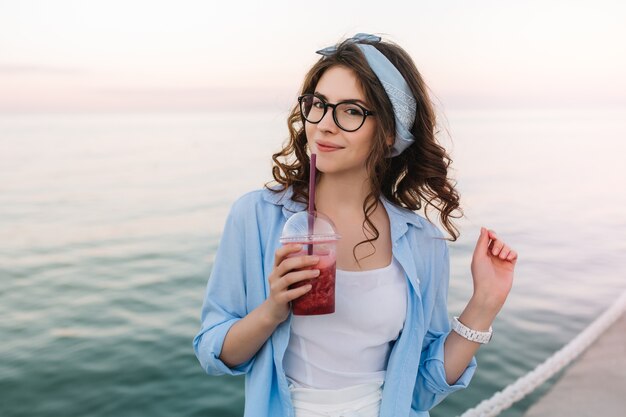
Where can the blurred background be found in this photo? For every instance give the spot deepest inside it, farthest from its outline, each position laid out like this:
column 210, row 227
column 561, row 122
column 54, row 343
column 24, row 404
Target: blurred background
column 128, row 128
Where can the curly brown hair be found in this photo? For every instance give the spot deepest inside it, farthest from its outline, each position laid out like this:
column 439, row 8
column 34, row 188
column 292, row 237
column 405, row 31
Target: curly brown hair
column 416, row 178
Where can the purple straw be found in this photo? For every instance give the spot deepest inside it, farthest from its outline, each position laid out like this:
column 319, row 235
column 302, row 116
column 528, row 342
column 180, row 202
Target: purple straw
column 311, row 209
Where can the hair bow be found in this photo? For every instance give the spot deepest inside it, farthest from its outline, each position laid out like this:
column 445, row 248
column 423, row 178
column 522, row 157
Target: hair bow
column 358, row 38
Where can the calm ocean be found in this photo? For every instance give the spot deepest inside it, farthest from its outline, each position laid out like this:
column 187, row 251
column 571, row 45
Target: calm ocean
column 109, row 224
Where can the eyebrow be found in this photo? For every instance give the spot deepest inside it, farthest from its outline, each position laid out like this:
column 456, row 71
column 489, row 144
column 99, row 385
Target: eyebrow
column 349, row 100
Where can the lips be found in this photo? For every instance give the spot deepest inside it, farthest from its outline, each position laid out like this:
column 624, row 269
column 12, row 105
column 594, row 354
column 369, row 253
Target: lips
column 327, row 146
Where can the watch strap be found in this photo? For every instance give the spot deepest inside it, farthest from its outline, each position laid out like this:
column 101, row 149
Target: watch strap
column 471, row 334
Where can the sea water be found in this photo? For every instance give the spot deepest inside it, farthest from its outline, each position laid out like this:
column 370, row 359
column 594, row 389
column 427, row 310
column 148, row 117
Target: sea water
column 109, row 224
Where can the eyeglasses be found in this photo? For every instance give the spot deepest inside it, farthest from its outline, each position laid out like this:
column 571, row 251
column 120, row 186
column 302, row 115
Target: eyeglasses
column 348, row 115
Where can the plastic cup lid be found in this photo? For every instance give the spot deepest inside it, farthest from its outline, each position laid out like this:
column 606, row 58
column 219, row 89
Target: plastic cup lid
column 296, row 228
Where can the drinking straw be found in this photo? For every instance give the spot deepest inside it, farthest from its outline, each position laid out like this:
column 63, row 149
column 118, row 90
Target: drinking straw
column 311, row 209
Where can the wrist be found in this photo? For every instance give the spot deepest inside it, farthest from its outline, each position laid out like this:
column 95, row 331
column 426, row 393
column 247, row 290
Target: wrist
column 479, row 315
column 267, row 315
column 486, row 303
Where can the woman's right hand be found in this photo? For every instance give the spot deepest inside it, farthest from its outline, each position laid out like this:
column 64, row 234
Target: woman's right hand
column 288, row 271
column 247, row 335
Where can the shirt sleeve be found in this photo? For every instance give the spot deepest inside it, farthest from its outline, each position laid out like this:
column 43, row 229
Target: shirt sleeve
column 431, row 386
column 225, row 299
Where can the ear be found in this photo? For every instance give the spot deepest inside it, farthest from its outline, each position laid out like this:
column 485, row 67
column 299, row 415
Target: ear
column 389, row 140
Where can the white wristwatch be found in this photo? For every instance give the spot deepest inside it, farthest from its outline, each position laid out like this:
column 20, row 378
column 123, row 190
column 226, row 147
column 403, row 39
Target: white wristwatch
column 469, row 334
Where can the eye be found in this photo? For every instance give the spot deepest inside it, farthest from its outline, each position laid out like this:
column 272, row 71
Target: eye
column 318, row 103
column 354, row 111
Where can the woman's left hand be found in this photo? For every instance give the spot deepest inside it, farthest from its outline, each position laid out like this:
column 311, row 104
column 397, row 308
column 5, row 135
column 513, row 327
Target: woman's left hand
column 493, row 264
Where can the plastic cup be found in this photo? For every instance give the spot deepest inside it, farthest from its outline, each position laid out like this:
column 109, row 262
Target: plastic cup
column 320, row 240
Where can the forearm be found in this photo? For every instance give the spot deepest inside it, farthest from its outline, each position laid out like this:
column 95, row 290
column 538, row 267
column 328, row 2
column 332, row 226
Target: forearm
column 245, row 338
column 458, row 351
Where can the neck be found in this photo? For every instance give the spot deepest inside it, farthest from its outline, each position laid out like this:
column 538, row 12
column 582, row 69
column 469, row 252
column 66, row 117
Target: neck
column 335, row 193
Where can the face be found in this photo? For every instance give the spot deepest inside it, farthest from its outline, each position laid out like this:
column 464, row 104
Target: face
column 345, row 152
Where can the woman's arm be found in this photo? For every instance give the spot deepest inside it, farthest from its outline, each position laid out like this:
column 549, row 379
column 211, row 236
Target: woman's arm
column 232, row 332
column 492, row 271
column 247, row 336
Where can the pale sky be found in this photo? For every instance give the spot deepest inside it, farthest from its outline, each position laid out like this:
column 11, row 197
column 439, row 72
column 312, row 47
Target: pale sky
column 145, row 55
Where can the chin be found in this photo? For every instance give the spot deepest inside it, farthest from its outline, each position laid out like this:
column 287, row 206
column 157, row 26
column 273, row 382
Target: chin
column 322, row 167
column 326, row 167
column 336, row 169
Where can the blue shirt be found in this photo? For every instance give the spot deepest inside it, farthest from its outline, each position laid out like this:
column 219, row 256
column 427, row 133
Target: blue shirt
column 415, row 378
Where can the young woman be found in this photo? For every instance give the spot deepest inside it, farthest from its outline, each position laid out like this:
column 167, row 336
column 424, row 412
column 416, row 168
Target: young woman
column 390, row 349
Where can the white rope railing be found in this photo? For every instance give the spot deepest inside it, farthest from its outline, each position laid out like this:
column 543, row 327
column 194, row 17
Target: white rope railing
column 502, row 400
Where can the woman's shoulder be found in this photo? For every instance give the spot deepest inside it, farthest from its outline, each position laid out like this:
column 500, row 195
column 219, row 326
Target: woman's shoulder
column 421, row 225
column 262, row 199
column 430, row 228
column 248, row 202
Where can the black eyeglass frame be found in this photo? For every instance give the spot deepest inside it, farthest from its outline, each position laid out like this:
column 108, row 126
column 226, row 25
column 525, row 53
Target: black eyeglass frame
column 334, row 106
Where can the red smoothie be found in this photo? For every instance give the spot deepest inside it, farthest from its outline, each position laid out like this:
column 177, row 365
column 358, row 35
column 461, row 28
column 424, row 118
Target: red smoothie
column 321, row 298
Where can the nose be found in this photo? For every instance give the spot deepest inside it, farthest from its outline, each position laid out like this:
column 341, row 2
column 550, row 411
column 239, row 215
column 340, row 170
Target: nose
column 327, row 123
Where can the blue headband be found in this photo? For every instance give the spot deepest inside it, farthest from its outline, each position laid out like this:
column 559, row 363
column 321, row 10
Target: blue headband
column 398, row 91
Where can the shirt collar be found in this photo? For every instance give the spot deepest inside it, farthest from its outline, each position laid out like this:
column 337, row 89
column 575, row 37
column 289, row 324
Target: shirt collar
column 400, row 213
column 399, row 217
column 283, row 198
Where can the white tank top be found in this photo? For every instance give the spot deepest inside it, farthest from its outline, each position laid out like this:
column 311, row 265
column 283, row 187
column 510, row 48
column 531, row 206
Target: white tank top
column 352, row 345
